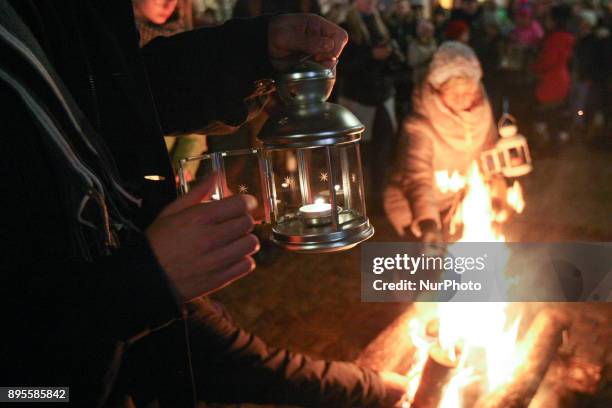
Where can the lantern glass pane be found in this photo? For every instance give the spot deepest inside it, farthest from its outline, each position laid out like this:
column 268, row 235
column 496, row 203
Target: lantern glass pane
column 319, row 174
column 516, row 158
column 234, row 172
column 502, row 159
column 242, row 175
column 285, row 183
column 347, row 166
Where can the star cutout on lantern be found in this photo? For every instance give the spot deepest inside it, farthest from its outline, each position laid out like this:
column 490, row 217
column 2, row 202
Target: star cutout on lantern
column 242, row 189
column 288, row 182
column 323, row 177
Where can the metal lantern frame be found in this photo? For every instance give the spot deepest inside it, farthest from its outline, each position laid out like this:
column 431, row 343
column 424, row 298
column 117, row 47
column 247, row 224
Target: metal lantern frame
column 312, row 130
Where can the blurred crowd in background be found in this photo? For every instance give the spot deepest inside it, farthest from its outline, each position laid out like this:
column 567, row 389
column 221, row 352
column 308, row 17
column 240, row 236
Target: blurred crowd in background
column 548, row 62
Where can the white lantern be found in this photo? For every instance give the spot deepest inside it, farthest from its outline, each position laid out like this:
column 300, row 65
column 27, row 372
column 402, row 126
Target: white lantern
column 510, row 156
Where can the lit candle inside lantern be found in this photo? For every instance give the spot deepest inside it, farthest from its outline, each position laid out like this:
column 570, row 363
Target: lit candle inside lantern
column 318, row 213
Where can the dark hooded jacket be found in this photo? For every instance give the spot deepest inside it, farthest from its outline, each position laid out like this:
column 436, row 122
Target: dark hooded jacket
column 111, row 326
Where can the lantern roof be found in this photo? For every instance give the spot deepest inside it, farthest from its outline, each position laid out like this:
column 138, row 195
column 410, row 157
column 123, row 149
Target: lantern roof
column 303, row 118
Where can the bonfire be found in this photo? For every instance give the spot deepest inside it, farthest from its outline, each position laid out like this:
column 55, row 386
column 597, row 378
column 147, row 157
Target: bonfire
column 468, row 354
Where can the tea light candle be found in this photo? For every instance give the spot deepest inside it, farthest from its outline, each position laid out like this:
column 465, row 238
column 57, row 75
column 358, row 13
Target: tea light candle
column 318, row 213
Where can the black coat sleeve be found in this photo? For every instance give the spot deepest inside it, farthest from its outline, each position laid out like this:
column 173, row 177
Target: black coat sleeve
column 233, row 366
column 65, row 320
column 201, row 79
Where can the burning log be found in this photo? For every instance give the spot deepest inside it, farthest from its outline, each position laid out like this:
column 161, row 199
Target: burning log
column 539, row 348
column 437, row 372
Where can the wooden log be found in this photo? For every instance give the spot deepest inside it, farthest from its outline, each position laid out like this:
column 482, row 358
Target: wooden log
column 539, row 347
column 437, row 372
column 392, row 349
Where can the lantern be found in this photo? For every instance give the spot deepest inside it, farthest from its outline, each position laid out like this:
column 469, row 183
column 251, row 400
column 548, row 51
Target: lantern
column 308, row 170
column 510, row 156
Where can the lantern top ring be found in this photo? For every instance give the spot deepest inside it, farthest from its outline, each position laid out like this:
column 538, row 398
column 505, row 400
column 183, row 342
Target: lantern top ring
column 307, row 72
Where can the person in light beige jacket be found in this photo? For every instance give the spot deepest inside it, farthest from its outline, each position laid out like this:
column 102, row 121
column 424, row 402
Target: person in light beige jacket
column 451, row 125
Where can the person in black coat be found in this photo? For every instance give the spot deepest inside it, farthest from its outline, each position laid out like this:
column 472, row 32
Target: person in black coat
column 103, row 268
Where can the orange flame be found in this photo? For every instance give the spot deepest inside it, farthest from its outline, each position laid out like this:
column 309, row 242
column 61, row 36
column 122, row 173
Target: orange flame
column 476, row 211
column 481, row 327
column 514, row 197
column 446, row 183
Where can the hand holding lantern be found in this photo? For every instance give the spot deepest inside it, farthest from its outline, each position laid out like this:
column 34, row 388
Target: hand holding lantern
column 204, row 246
column 309, row 34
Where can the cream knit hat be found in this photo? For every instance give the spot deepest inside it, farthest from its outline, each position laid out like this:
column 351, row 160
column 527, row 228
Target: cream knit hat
column 453, row 59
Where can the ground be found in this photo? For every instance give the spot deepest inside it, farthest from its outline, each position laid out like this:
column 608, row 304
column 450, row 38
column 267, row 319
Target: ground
column 311, row 303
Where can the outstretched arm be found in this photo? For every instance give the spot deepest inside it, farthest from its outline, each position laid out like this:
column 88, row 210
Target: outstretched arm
column 415, row 167
column 233, row 366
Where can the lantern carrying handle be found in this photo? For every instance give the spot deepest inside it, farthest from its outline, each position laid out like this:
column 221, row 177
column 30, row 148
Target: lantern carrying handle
column 506, row 116
column 310, row 57
column 284, row 65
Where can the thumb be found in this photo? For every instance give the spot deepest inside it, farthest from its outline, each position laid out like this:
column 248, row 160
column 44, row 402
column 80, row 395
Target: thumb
column 200, row 192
